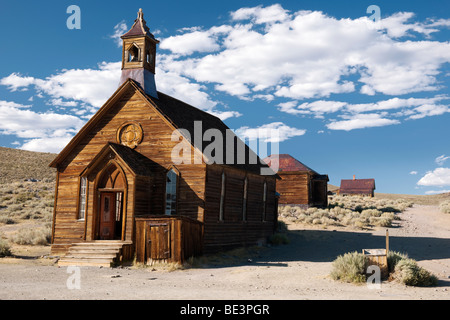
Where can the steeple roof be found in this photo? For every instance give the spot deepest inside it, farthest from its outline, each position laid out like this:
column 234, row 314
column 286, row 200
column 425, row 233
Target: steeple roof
column 139, row 28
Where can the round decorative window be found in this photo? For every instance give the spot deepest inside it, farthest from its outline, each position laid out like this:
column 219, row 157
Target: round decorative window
column 130, row 134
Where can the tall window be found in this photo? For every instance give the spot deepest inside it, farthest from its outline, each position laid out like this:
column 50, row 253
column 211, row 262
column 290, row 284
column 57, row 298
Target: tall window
column 244, row 200
column 82, row 200
column 222, row 197
column 264, row 201
column 171, row 192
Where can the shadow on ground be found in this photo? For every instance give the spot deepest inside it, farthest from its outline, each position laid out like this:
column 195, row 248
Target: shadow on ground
column 326, row 245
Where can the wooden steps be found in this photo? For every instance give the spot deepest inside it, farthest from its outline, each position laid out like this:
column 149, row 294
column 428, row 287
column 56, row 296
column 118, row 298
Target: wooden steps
column 99, row 253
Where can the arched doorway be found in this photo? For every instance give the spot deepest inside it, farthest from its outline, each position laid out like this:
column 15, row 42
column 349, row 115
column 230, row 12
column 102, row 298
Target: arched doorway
column 111, row 190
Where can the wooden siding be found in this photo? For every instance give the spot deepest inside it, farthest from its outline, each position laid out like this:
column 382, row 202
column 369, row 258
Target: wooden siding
column 294, row 188
column 167, row 239
column 233, row 231
column 156, row 145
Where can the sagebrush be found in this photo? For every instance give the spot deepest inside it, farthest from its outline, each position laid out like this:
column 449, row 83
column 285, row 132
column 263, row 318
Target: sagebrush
column 26, row 236
column 5, row 248
column 445, row 206
column 351, row 267
column 408, row 272
column 356, row 211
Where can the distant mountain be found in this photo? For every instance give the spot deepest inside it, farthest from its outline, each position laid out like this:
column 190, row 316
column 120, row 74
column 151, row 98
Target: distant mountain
column 20, row 165
column 332, row 188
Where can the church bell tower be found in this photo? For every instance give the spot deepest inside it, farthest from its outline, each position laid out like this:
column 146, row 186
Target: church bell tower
column 138, row 56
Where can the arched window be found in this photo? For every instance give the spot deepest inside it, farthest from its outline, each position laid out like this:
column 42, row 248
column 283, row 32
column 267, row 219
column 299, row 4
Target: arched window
column 222, row 196
column 244, row 200
column 171, row 192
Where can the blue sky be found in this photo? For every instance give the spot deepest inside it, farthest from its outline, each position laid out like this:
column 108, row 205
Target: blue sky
column 350, row 96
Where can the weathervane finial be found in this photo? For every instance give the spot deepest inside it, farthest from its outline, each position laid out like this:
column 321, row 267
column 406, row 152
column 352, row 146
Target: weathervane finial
column 140, row 14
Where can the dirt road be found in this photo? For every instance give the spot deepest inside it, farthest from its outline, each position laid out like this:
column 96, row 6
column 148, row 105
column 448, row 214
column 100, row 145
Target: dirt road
column 298, row 270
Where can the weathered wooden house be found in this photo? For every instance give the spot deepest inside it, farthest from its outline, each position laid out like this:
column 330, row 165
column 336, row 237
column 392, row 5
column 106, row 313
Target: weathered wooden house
column 139, row 181
column 362, row 187
column 299, row 184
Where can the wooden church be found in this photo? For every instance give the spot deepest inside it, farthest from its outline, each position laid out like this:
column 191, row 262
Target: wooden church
column 120, row 195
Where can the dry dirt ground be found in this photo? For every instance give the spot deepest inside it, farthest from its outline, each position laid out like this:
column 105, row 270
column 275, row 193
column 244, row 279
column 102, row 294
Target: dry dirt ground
column 296, row 271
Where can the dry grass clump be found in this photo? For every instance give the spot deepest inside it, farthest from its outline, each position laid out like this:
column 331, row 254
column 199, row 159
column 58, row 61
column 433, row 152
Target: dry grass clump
column 359, row 212
column 27, row 236
column 5, row 248
column 351, row 267
column 408, row 272
column 445, row 206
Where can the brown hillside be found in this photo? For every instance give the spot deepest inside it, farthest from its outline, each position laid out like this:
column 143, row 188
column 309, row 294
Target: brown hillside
column 20, row 165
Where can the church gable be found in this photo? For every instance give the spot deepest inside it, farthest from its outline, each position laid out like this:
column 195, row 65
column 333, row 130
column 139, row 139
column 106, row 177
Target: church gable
column 128, row 119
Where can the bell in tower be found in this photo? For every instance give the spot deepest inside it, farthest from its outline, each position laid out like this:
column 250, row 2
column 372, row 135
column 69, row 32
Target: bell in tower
column 138, row 56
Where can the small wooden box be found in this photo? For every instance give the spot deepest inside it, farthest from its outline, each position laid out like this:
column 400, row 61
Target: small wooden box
column 378, row 257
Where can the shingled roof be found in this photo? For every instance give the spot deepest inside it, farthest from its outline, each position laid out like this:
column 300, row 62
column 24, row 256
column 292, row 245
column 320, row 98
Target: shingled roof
column 182, row 116
column 139, row 28
column 287, row 163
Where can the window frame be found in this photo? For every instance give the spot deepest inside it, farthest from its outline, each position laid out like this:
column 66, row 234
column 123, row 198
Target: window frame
column 245, row 200
column 82, row 198
column 223, row 187
column 175, row 208
column 264, row 209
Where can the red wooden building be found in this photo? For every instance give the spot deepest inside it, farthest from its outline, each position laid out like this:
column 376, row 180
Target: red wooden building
column 363, row 187
column 299, row 184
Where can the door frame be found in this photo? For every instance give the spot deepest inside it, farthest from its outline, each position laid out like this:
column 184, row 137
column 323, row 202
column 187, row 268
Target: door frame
column 97, row 198
column 112, row 206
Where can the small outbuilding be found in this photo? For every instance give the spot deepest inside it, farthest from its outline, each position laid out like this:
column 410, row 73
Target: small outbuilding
column 362, row 187
column 299, row 184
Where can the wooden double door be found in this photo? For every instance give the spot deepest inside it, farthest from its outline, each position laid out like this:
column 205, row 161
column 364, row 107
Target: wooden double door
column 111, row 216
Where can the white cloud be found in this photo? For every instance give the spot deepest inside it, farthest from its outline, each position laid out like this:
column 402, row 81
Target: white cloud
column 10, row 104
column 261, row 15
column 308, row 54
column 438, row 177
column 53, row 145
column 428, row 110
column 361, row 121
column 271, row 132
column 397, row 25
column 411, row 108
column 119, row 30
column 441, row 159
column 413, row 173
column 16, row 81
column 188, row 43
column 318, row 108
column 92, row 86
column 47, row 131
